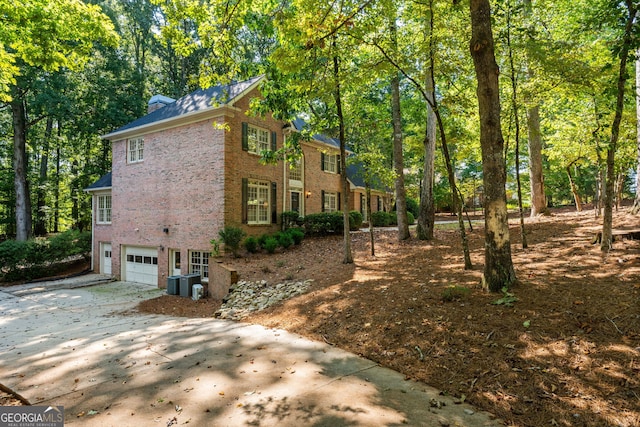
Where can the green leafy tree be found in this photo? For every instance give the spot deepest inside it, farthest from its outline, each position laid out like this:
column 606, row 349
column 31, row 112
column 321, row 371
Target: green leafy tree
column 49, row 35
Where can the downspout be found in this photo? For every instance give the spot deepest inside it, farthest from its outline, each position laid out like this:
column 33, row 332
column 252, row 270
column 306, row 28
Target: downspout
column 93, row 228
column 284, row 175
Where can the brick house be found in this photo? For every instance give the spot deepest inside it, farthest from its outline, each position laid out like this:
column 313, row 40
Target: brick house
column 191, row 167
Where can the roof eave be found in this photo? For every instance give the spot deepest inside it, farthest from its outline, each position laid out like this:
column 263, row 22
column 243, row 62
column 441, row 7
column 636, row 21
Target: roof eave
column 91, row 190
column 171, row 122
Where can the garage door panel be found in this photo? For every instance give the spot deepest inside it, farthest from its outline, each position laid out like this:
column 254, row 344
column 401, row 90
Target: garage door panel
column 141, row 265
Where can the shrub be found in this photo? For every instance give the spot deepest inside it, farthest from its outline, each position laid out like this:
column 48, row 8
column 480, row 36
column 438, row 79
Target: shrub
column 290, row 219
column 380, row 219
column 251, row 244
column 262, row 239
column 270, row 244
column 296, row 234
column 355, row 220
column 70, row 243
column 322, row 224
column 393, row 218
column 232, row 237
column 285, row 240
column 36, row 257
column 410, row 218
column 413, row 206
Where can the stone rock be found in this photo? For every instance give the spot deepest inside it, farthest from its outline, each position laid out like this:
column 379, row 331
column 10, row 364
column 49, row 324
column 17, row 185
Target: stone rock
column 245, row 297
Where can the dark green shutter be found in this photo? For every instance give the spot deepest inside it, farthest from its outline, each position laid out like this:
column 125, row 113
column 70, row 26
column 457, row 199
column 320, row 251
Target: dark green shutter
column 245, row 200
column 321, row 161
column 274, row 145
column 322, row 200
column 338, row 164
column 274, row 203
column 245, row 136
column 339, row 201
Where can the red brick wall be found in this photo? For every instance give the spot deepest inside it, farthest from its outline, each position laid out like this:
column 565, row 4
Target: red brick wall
column 316, row 180
column 178, row 186
column 242, row 164
column 190, row 182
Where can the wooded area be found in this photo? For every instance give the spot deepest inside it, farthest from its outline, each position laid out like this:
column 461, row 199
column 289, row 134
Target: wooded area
column 522, row 97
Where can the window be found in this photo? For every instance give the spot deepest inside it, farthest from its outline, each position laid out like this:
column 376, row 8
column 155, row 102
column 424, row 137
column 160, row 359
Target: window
column 258, row 202
column 135, row 150
column 140, row 259
column 199, row 264
column 330, row 163
column 330, row 202
column 257, row 139
column 295, row 171
column 104, row 209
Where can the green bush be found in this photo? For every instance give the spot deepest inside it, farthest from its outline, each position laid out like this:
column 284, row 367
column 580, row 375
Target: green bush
column 251, row 244
column 290, row 219
column 37, row 257
column 270, row 244
column 410, row 218
column 322, row 224
column 355, row 220
column 413, row 206
column 380, row 219
column 232, row 237
column 296, row 234
column 285, row 240
column 69, row 243
column 393, row 218
column 262, row 239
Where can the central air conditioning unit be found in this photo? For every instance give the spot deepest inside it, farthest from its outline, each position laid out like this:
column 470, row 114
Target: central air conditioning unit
column 186, row 283
column 173, row 285
column 198, row 292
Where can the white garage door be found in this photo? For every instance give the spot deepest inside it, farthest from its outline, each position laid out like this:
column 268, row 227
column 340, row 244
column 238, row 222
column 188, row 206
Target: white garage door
column 141, row 265
column 105, row 260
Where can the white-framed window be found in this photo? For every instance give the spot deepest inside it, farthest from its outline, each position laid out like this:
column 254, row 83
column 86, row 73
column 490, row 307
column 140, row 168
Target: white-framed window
column 104, row 209
column 135, row 150
column 330, row 202
column 199, row 264
column 258, row 202
column 330, row 163
column 295, row 171
column 258, row 139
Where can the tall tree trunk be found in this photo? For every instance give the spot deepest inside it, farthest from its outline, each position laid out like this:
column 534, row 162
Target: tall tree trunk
column 348, row 256
column 56, row 191
column 398, row 161
column 426, row 217
column 75, row 192
column 516, row 118
column 21, row 184
column 619, row 190
column 538, row 198
column 41, row 203
column 371, row 232
column 607, row 221
column 636, row 201
column 398, row 156
column 498, row 268
column 574, row 188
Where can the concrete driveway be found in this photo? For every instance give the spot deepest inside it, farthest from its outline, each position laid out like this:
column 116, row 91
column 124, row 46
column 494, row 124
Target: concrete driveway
column 83, row 349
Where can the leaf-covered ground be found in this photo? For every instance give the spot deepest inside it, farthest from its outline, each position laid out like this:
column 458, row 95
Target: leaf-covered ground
column 561, row 349
column 566, row 353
